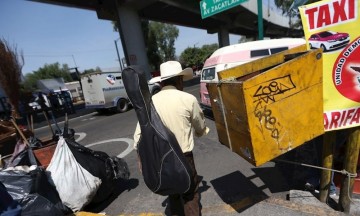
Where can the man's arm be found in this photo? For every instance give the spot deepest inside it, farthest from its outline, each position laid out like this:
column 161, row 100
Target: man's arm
column 198, row 120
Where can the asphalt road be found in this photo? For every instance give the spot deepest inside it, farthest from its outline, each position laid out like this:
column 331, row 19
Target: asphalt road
column 229, row 186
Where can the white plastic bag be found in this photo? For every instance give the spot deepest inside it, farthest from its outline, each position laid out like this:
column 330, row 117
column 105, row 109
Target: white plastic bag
column 75, row 185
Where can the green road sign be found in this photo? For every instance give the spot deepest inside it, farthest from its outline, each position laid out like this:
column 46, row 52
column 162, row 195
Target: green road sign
column 211, row 7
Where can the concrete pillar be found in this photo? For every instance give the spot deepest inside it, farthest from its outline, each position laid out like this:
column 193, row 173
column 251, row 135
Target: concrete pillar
column 223, row 37
column 132, row 38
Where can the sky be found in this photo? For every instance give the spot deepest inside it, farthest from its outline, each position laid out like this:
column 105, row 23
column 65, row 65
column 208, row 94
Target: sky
column 47, row 34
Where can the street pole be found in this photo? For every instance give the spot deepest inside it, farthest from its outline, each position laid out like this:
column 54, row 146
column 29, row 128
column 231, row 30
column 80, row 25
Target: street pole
column 260, row 20
column 117, row 51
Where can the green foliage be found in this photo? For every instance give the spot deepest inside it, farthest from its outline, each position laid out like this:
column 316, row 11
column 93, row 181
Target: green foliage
column 244, row 39
column 194, row 56
column 152, row 50
column 115, row 26
column 49, row 71
column 208, row 49
column 284, row 5
column 159, row 41
column 88, row 71
column 165, row 36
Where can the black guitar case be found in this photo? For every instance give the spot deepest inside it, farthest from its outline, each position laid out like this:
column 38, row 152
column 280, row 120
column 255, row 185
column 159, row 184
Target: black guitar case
column 164, row 167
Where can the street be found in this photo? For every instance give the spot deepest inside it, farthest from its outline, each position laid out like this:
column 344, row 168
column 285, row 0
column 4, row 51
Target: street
column 229, row 186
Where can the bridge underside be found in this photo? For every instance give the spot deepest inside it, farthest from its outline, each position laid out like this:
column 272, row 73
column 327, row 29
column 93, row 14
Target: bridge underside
column 238, row 20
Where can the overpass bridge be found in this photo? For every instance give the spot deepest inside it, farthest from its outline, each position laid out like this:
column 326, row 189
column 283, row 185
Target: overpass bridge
column 239, row 20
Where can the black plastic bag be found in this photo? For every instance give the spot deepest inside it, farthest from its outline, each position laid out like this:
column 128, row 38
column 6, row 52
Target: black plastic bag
column 99, row 164
column 33, row 192
column 22, row 156
column 8, row 206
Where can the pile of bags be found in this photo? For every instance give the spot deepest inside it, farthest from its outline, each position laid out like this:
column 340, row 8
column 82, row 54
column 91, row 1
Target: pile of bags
column 75, row 177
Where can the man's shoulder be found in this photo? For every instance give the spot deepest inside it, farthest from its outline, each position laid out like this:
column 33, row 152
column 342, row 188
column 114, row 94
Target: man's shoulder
column 188, row 95
column 179, row 94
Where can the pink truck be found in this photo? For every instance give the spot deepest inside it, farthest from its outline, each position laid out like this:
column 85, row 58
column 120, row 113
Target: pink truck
column 234, row 55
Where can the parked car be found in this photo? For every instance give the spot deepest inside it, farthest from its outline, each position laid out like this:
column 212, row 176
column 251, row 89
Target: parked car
column 35, row 101
column 328, row 40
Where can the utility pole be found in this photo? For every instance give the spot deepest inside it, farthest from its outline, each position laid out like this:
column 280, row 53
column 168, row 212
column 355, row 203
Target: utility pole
column 260, row 20
column 117, row 51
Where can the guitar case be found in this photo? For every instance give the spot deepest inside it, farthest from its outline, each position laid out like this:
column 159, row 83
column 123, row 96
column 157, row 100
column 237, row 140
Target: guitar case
column 164, row 166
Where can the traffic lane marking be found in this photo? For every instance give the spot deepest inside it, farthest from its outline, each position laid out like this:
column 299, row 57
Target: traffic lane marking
column 81, row 136
column 128, row 141
column 85, row 119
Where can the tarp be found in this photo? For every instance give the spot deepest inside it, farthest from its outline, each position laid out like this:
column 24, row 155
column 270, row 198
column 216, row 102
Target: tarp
column 334, row 26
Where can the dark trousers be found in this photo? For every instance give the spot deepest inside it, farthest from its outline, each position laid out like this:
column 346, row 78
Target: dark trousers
column 187, row 204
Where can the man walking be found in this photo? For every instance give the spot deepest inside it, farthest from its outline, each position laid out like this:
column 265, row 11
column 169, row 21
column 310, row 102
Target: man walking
column 182, row 115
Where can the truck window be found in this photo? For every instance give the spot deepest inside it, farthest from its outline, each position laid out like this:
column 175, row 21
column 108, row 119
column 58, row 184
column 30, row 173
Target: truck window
column 258, row 53
column 208, row 74
column 278, row 49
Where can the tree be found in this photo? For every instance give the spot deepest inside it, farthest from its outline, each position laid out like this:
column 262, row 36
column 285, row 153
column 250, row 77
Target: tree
column 165, row 35
column 49, row 71
column 244, row 39
column 159, row 41
column 208, row 49
column 194, row 56
column 88, row 71
column 285, row 5
column 191, row 56
column 152, row 49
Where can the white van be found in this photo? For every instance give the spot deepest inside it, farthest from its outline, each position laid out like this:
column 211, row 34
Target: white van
column 234, row 55
column 105, row 90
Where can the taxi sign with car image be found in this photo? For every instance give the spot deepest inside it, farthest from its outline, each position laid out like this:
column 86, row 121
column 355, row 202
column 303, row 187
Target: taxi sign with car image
column 328, row 40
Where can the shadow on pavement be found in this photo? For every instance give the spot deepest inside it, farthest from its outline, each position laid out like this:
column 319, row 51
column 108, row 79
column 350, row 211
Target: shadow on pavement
column 238, row 191
column 275, row 185
column 121, row 186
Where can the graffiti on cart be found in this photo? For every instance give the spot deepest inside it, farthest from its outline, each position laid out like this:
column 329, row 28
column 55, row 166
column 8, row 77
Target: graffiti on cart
column 269, row 121
column 266, row 93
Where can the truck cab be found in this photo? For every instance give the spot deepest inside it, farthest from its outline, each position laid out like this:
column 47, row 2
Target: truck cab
column 105, row 91
column 237, row 54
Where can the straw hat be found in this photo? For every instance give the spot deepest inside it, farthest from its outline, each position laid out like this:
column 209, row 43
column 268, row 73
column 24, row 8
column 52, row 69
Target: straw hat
column 171, row 69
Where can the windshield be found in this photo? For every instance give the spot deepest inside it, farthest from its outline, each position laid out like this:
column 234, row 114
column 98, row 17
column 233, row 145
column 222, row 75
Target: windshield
column 325, row 34
column 208, row 74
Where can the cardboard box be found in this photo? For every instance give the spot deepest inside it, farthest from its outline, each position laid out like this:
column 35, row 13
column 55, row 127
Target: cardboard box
column 45, row 154
column 269, row 106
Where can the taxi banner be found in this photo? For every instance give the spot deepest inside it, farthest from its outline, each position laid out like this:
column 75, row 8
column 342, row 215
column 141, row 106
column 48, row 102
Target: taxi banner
column 333, row 25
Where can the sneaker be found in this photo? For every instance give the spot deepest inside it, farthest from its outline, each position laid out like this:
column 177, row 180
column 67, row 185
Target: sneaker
column 309, row 187
column 333, row 194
